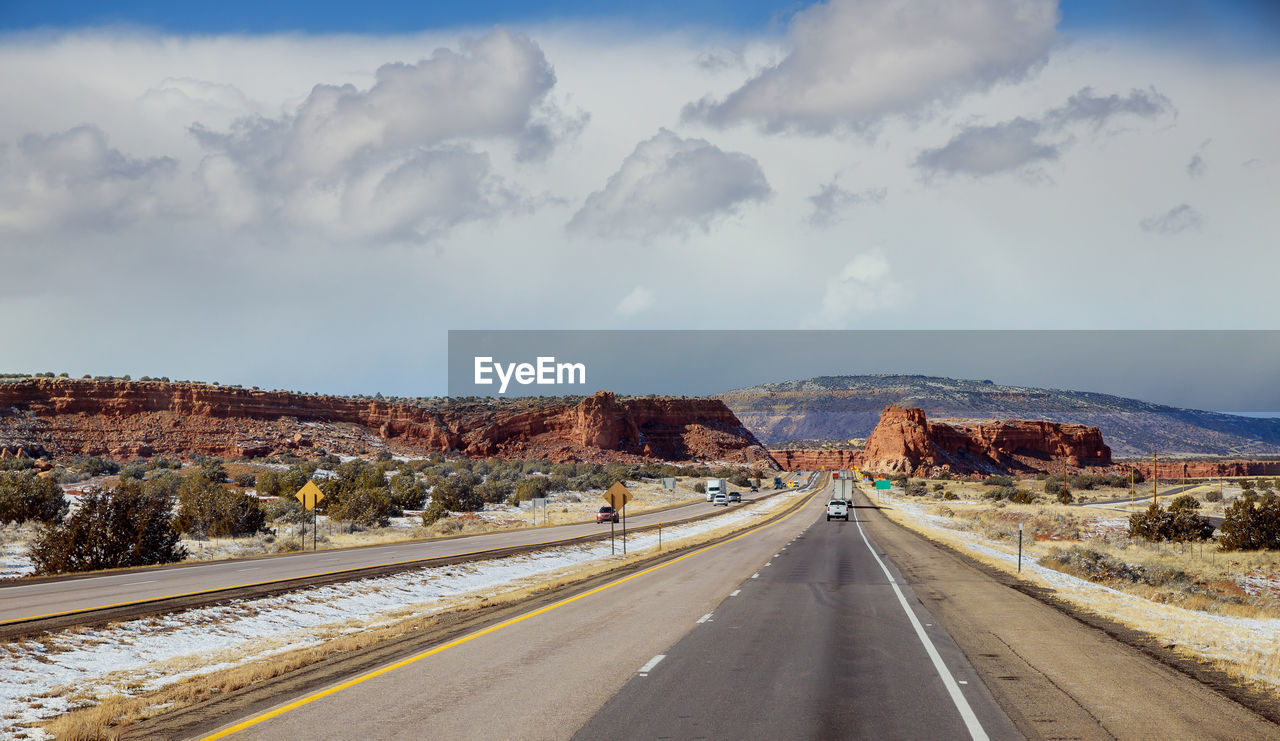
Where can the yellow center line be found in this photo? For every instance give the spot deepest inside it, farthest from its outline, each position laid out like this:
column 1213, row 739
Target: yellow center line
column 485, row 631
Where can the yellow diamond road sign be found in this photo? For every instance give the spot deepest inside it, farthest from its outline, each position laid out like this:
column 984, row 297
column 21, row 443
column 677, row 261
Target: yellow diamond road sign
column 309, row 495
column 618, row 496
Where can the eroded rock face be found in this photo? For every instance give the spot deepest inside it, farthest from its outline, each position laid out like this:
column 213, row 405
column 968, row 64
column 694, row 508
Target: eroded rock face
column 1207, row 469
column 128, row 419
column 810, row 459
column 905, row 441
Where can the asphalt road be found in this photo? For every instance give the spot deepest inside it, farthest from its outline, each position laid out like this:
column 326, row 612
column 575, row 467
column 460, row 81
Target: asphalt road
column 801, row 629
column 24, row 601
column 543, row 675
column 819, row 646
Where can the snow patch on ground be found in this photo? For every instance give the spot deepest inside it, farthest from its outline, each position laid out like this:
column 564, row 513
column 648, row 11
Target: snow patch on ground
column 43, row 678
column 1220, row 637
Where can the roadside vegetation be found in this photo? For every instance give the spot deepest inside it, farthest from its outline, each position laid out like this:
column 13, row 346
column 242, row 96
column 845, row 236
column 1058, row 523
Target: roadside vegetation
column 230, row 508
column 1161, row 568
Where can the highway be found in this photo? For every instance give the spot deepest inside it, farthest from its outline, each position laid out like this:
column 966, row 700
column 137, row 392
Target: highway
column 21, row 601
column 819, row 646
column 800, row 629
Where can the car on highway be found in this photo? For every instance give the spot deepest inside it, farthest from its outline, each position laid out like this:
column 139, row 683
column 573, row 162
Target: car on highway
column 720, row 499
column 735, row 496
column 607, row 514
column 838, row 508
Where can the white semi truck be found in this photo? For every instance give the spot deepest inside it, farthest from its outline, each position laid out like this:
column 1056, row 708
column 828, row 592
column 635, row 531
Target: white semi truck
column 842, row 485
column 717, row 486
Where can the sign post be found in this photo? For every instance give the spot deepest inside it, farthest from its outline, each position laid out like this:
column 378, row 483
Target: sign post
column 617, row 497
column 310, row 495
column 1019, row 547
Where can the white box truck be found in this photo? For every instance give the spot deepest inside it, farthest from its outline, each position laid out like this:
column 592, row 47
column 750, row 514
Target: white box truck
column 716, row 486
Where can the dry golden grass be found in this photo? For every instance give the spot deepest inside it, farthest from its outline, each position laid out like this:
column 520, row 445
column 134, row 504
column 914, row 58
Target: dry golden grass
column 106, row 718
column 1239, row 639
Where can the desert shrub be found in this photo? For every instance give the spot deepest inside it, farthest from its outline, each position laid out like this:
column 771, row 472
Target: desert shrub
column 532, row 488
column 1054, row 486
column 434, row 512
column 1083, row 481
column 284, row 483
column 1251, row 525
column 459, row 493
column 496, row 490
column 136, row 471
column 939, row 487
column 283, row 509
column 1092, row 565
column 246, row 480
column 27, row 497
column 950, row 495
column 700, row 487
column 1179, row 522
column 1100, row 567
column 359, row 493
column 1213, row 496
column 1001, row 481
column 1064, row 496
column 999, row 493
column 365, row 507
column 914, row 488
column 99, row 467
column 156, row 464
column 1022, row 496
column 205, row 507
column 17, row 464
column 407, row 492
column 214, row 471
column 131, row 525
column 739, row 479
column 1246, row 484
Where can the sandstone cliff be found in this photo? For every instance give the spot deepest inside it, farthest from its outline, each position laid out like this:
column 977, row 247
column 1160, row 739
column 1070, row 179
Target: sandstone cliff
column 904, row 441
column 129, row 419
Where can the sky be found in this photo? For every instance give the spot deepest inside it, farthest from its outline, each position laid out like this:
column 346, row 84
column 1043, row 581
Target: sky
column 309, row 196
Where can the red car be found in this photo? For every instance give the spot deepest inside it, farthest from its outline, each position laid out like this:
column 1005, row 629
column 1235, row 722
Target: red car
column 607, row 514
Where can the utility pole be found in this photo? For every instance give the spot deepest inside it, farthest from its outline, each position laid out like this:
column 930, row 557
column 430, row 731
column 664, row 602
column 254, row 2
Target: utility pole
column 1155, row 478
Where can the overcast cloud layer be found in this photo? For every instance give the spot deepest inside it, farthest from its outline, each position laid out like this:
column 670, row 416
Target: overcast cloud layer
column 313, row 212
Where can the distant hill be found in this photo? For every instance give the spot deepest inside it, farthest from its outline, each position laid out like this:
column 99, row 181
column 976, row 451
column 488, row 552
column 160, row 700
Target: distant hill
column 844, row 407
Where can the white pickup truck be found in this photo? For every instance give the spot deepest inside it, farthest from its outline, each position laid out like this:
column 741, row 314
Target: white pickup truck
column 838, row 508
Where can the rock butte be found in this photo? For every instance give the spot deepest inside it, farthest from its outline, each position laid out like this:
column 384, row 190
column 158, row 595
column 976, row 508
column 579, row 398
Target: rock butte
column 905, row 442
column 128, row 419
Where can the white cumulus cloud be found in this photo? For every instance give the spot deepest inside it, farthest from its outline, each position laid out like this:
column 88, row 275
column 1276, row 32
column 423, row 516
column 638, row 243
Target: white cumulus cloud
column 1014, row 145
column 75, row 179
column 863, row 286
column 397, row 160
column 670, row 184
column 639, row 299
column 854, row 62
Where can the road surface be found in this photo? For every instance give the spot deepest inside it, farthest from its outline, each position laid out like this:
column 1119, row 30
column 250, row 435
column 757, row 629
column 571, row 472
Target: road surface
column 802, row 629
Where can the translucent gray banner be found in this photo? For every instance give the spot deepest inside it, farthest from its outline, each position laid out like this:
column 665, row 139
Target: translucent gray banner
column 1232, row 371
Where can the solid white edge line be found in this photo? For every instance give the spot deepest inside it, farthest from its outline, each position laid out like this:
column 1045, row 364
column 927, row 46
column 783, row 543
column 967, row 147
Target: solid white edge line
column 953, row 689
column 734, row 593
column 704, row 618
column 648, row 667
